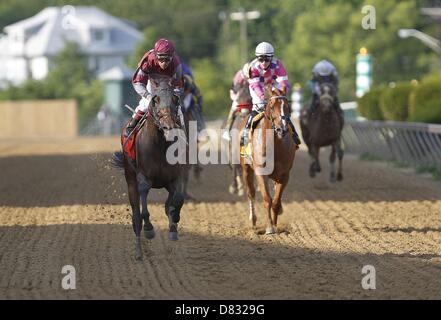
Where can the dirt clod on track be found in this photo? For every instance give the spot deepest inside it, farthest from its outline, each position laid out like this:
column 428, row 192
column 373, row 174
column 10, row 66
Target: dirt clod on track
column 61, row 204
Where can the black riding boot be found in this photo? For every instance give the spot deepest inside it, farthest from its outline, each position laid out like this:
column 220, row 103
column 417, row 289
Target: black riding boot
column 313, row 107
column 246, row 131
column 132, row 125
column 295, row 135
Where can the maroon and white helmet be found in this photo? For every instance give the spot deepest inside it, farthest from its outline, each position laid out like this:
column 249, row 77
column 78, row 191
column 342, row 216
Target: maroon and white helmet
column 164, row 47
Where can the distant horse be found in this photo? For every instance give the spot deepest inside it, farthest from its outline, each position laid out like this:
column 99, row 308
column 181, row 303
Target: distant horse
column 323, row 127
column 242, row 112
column 152, row 169
column 191, row 115
column 273, row 123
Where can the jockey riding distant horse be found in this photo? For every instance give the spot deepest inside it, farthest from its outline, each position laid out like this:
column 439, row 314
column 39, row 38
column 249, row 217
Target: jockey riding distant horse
column 322, row 127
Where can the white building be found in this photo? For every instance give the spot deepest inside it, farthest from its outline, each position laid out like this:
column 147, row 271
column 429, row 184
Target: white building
column 28, row 46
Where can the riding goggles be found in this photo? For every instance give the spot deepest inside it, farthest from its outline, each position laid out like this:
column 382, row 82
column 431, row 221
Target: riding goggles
column 163, row 58
column 264, row 58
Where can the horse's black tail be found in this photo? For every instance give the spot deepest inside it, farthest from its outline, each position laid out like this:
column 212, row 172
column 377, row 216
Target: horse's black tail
column 118, row 160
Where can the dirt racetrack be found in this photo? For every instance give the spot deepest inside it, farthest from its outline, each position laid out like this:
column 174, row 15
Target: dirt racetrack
column 61, row 204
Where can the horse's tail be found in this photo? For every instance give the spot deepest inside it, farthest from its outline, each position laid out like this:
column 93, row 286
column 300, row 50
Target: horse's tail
column 118, row 160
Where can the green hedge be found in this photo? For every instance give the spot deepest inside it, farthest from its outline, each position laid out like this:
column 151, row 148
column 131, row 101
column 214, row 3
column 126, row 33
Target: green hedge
column 394, row 102
column 369, row 104
column 425, row 102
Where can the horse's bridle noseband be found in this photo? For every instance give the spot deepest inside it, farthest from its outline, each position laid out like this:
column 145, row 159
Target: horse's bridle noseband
column 154, row 113
column 283, row 116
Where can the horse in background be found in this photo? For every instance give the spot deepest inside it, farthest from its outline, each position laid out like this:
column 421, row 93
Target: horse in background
column 322, row 127
column 152, row 170
column 283, row 149
column 241, row 114
column 192, row 111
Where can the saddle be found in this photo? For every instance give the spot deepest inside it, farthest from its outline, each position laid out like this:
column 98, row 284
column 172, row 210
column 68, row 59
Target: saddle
column 246, row 151
column 129, row 143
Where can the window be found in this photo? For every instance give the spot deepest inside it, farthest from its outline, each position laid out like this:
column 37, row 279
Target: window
column 99, row 35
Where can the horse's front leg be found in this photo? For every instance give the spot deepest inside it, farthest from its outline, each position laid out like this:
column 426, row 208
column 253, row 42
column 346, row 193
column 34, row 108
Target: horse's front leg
column 332, row 158
column 144, row 187
column 340, row 154
column 173, row 207
column 132, row 186
column 240, row 191
column 233, row 186
column 315, row 166
column 277, row 200
column 248, row 176
column 262, row 181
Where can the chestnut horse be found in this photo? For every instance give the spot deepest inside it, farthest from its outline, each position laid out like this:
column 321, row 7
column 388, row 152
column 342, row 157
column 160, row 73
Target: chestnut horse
column 152, row 169
column 273, row 153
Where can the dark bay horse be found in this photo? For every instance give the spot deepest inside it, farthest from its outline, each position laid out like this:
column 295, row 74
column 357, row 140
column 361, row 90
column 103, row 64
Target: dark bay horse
column 273, row 153
column 153, row 169
column 322, row 128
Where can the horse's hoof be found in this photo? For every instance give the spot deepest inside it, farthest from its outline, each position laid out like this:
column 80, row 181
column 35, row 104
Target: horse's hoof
column 240, row 192
column 340, row 177
column 149, row 234
column 138, row 251
column 280, row 211
column 312, row 174
column 138, row 257
column 333, row 179
column 270, row 230
column 173, row 236
column 232, row 190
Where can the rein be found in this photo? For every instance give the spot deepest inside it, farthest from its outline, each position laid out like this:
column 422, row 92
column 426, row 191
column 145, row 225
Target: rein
column 283, row 116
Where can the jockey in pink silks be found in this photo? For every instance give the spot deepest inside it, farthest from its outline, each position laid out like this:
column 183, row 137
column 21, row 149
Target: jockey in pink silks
column 266, row 71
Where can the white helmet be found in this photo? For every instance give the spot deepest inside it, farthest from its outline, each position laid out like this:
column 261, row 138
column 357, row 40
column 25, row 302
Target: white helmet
column 324, row 68
column 246, row 70
column 264, row 49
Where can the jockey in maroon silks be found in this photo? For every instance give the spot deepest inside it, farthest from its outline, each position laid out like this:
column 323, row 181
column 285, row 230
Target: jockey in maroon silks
column 160, row 63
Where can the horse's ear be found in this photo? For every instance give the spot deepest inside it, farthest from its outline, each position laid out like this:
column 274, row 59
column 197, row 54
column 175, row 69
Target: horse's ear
column 277, row 92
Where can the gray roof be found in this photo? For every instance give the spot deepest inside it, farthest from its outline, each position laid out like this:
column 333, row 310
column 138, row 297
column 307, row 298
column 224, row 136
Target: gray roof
column 47, row 32
column 117, row 73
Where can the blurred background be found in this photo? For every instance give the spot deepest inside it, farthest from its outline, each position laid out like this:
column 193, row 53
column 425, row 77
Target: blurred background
column 86, row 51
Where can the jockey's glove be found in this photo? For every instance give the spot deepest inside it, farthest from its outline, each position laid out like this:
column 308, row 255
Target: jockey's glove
column 178, row 92
column 260, row 107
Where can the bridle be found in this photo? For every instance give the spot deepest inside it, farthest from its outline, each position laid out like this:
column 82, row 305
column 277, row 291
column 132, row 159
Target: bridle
column 283, row 116
column 326, row 96
column 153, row 111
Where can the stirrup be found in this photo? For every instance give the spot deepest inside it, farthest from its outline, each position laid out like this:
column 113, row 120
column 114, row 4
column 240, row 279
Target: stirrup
column 127, row 132
column 245, row 151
